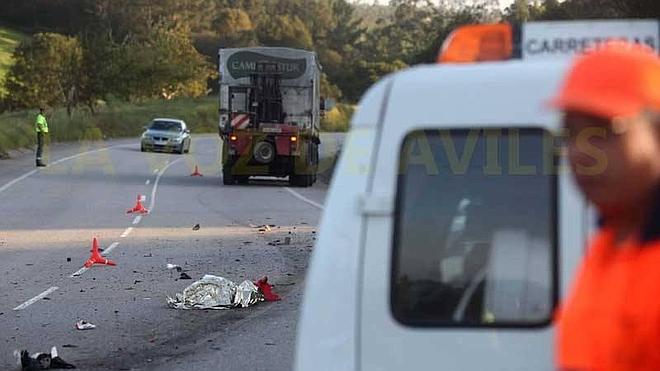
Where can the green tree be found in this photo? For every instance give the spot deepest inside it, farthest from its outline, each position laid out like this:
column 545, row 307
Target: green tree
column 445, row 22
column 164, row 64
column 282, row 30
column 47, row 71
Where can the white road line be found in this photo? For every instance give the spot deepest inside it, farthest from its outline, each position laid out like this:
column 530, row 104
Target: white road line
column 109, row 249
column 11, row 183
column 7, row 185
column 303, row 198
column 147, row 182
column 36, row 298
column 126, row 232
column 152, row 203
column 79, row 272
column 137, row 219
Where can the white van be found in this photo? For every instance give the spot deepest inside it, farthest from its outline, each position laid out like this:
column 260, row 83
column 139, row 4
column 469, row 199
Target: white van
column 452, row 226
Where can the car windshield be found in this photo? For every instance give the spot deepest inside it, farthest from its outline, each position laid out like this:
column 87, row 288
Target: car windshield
column 165, row 126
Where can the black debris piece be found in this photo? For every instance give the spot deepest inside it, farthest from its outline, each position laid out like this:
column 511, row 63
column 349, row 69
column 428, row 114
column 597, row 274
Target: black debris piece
column 59, row 363
column 196, row 227
column 185, row 276
column 42, row 361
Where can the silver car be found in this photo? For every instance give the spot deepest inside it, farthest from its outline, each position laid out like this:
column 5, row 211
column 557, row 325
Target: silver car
column 169, row 135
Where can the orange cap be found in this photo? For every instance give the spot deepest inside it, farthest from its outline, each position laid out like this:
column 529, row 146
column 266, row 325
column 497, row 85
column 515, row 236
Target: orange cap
column 618, row 79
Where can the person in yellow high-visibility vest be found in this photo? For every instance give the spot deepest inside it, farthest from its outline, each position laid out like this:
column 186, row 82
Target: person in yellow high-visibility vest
column 41, row 127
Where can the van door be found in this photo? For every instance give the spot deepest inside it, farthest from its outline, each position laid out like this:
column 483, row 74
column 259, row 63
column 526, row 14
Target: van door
column 461, row 250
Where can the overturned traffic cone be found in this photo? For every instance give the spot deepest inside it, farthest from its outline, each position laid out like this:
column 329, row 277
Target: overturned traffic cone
column 196, row 172
column 96, row 257
column 138, row 208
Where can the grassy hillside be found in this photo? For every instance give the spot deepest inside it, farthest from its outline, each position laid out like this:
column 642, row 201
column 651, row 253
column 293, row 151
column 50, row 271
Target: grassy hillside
column 9, row 40
column 112, row 121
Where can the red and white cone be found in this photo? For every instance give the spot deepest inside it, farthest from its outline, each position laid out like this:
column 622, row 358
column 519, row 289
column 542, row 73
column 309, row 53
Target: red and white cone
column 96, row 257
column 138, row 208
column 196, row 172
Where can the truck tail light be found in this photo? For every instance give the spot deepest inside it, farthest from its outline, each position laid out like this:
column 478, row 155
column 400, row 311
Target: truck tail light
column 233, row 138
column 293, row 140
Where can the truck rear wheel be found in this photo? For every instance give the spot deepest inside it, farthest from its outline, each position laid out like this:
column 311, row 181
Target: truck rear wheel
column 227, row 178
column 301, row 180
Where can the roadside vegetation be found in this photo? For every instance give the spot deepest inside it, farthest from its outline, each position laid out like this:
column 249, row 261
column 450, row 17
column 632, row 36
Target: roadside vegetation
column 111, row 120
column 9, row 40
column 338, row 118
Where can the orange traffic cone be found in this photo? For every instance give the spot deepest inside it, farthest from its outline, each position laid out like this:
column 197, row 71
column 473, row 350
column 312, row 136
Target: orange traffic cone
column 138, row 208
column 196, row 172
column 96, row 257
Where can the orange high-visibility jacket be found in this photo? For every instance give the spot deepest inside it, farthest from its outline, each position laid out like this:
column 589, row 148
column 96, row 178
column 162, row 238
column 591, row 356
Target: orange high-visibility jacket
column 611, row 318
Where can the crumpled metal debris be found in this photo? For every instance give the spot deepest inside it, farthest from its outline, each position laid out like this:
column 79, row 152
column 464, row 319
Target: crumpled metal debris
column 173, row 266
column 84, row 325
column 41, row 361
column 263, row 228
column 247, row 294
column 213, row 292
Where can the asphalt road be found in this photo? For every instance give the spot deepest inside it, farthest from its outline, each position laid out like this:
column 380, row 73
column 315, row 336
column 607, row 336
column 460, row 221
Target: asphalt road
column 49, row 216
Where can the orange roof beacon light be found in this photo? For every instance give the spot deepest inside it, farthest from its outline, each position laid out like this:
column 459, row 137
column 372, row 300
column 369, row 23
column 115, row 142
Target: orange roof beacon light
column 478, row 43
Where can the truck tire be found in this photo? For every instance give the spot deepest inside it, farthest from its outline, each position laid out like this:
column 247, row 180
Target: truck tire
column 227, row 178
column 300, row 180
column 264, row 152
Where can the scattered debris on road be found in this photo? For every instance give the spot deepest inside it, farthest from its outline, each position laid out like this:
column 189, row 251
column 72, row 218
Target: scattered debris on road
column 149, row 255
column 84, row 325
column 267, row 289
column 41, row 361
column 213, row 292
column 184, row 276
column 287, row 241
column 174, row 266
column 263, row 228
column 196, row 227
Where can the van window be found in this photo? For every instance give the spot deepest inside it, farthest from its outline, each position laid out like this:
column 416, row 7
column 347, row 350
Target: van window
column 475, row 229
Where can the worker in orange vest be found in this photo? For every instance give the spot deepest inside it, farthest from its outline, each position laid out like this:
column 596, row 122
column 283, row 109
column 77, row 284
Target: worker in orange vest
column 610, row 319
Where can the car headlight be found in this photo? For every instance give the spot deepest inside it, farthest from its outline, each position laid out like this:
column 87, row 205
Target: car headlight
column 145, row 136
column 177, row 140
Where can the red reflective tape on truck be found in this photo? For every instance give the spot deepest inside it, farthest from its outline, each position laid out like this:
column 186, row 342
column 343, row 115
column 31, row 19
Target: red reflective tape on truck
column 240, row 121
